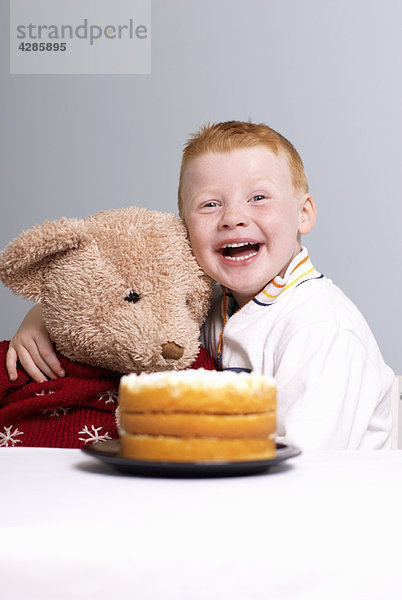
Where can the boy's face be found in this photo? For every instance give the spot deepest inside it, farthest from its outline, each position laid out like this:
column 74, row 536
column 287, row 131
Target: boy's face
column 243, row 217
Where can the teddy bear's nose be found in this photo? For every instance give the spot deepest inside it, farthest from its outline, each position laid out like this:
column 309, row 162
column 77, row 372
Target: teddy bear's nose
column 172, row 350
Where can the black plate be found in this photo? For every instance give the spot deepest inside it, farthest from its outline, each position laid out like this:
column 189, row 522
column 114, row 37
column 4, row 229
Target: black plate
column 108, row 452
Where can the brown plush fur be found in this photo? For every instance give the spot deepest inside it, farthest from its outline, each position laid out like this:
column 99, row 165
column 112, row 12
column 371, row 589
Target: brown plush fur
column 81, row 271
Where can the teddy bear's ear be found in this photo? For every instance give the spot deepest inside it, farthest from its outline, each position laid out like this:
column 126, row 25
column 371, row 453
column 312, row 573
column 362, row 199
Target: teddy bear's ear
column 24, row 260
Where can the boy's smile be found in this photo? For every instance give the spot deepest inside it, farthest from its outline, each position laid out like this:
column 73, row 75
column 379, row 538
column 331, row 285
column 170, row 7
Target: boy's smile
column 243, row 217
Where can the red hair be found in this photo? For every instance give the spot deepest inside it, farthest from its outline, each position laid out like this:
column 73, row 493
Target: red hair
column 231, row 135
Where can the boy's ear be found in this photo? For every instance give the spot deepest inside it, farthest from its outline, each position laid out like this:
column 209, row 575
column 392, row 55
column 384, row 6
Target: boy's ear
column 24, row 260
column 308, row 214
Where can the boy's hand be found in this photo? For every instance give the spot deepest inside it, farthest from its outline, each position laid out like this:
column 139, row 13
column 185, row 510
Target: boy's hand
column 32, row 346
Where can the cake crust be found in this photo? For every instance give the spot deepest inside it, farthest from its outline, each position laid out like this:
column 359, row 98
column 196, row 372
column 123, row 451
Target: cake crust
column 199, row 425
column 197, row 391
column 176, row 449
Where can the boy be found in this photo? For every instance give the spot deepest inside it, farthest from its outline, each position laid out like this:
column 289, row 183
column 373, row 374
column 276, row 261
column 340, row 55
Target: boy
column 244, row 197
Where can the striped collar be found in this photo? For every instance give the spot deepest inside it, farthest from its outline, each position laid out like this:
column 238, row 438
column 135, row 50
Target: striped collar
column 299, row 270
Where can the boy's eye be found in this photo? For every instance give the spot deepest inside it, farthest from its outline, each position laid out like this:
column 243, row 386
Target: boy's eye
column 210, row 204
column 258, row 197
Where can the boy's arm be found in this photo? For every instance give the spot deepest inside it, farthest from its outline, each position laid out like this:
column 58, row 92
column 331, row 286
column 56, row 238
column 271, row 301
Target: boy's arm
column 331, row 393
column 32, row 346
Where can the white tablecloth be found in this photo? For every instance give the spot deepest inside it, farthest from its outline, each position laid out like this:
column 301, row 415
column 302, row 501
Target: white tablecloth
column 327, row 525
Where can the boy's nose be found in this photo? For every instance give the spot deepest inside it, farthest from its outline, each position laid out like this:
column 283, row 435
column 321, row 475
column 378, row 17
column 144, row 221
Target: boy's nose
column 232, row 218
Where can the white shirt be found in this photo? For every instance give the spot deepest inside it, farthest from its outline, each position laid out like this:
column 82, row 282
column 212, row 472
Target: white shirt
column 333, row 387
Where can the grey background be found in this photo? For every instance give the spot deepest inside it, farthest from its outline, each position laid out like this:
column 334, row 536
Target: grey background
column 326, row 74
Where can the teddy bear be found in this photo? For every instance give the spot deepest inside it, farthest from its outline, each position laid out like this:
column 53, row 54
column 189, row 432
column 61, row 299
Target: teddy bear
column 120, row 292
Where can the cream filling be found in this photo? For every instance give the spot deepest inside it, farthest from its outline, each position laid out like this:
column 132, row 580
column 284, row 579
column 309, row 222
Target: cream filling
column 202, row 378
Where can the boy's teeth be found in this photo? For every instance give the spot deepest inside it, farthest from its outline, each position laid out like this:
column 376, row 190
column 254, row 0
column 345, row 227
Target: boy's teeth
column 236, row 245
column 241, row 257
column 237, row 250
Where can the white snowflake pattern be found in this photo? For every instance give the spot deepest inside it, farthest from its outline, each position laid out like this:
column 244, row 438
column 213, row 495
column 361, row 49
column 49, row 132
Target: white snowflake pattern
column 56, row 412
column 94, row 435
column 9, row 437
column 111, row 396
column 44, row 393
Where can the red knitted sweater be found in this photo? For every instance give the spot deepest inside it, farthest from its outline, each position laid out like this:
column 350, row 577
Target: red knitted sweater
column 69, row 412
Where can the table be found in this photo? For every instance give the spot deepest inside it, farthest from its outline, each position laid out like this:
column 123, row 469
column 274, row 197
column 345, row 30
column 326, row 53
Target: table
column 324, row 525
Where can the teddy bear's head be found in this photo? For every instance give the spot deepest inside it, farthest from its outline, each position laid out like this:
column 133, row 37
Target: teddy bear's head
column 120, row 289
